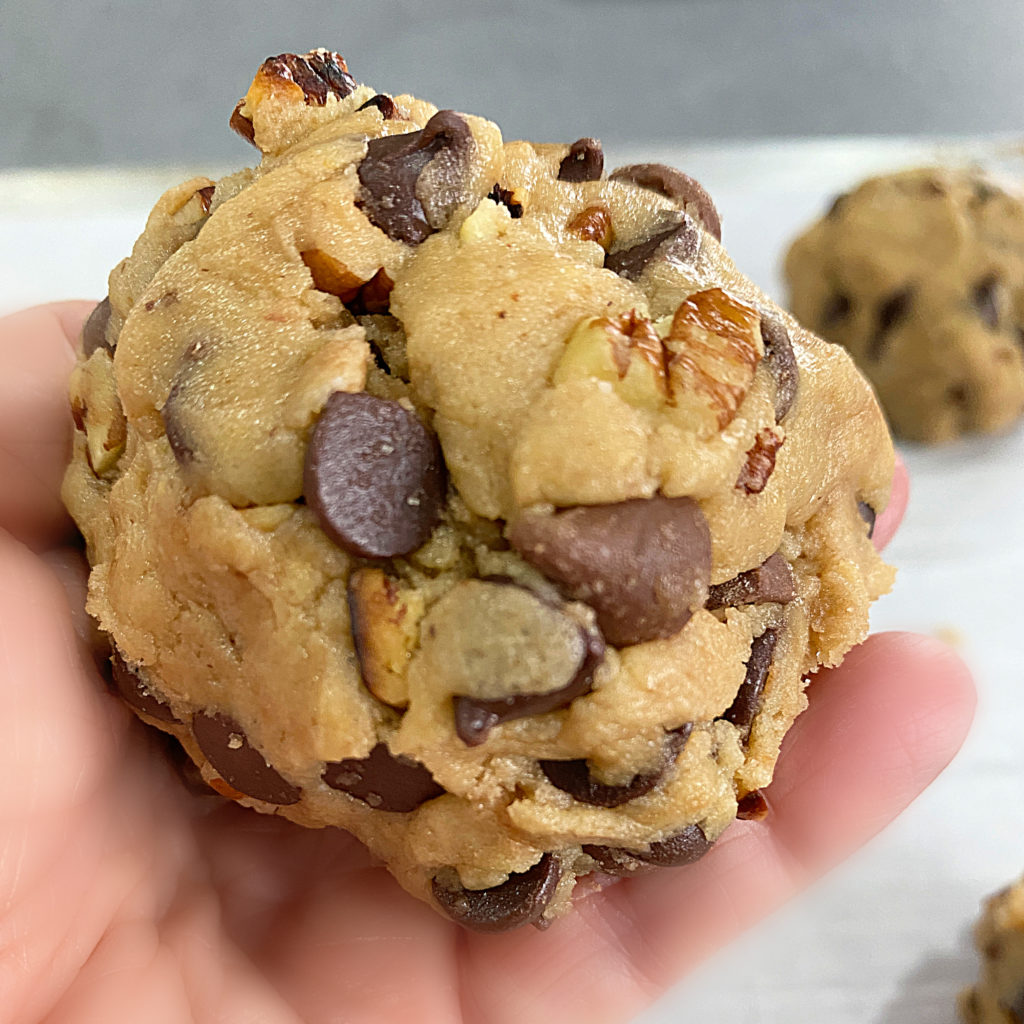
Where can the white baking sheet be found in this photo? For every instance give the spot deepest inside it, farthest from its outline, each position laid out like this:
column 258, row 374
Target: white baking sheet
column 885, row 938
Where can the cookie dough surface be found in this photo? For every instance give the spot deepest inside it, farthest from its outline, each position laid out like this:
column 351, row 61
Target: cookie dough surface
column 449, row 491
column 919, row 274
column 998, row 997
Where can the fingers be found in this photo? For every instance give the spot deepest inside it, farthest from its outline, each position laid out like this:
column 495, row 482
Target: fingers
column 37, row 351
column 888, row 522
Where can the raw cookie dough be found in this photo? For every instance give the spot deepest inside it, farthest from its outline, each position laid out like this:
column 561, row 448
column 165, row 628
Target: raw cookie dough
column 920, row 274
column 448, row 491
column 998, row 997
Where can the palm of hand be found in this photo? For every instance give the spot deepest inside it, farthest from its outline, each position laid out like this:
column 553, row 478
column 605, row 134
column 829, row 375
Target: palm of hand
column 124, row 898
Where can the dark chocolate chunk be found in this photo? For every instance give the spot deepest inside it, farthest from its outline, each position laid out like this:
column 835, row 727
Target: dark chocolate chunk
column 243, row 767
column 133, row 688
column 506, row 198
column 475, row 717
column 385, row 781
column 574, row 778
column 836, row 310
column 318, row 74
column 520, row 900
column 985, row 299
column 685, row 847
column 643, row 565
column 781, row 363
column 675, row 185
column 583, row 162
column 374, row 476
column 385, row 104
column 770, row 582
column 867, row 513
column 760, row 463
column 94, row 330
column 677, row 244
column 241, row 125
column 392, row 167
column 891, row 311
column 747, row 704
column 752, row 807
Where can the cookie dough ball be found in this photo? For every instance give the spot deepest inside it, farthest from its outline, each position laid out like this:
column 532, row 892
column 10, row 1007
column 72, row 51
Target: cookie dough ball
column 998, row 997
column 920, row 275
column 449, row 491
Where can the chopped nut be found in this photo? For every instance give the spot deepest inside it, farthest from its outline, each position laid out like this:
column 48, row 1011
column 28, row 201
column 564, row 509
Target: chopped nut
column 625, row 351
column 760, row 461
column 714, row 346
column 331, row 275
column 97, row 412
column 594, row 224
column 385, row 627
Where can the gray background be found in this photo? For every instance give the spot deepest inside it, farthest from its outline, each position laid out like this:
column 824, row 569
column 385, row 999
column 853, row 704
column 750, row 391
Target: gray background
column 92, row 82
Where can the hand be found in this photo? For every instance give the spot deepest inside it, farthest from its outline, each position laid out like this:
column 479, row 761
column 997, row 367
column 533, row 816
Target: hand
column 124, row 898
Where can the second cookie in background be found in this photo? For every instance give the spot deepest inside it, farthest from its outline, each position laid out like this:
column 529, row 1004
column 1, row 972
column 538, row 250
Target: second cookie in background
column 920, row 275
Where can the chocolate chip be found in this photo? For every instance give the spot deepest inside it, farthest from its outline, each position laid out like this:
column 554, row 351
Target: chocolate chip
column 385, row 104
column 760, row 463
column 771, row 582
column 752, row 807
column 781, row 364
column 176, row 412
column 520, row 900
column 867, row 513
column 511, row 654
column 506, row 197
column 643, row 565
column 574, row 778
column 392, row 167
column 135, row 691
column 583, row 162
column 677, row 244
column 684, row 847
column 985, row 299
column 891, row 311
column 959, row 394
column 675, row 185
column 226, row 747
column 836, row 310
column 241, row 125
column 385, row 781
column 747, row 704
column 94, row 330
column 318, row 74
column 374, row 476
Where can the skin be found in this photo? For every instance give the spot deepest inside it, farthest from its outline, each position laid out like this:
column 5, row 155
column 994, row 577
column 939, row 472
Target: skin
column 123, row 897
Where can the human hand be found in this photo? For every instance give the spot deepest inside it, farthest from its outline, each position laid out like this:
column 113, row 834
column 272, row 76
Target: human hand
column 125, row 898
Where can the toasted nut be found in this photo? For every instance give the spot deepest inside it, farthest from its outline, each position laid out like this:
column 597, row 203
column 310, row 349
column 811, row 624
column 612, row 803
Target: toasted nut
column 97, row 411
column 714, row 347
column 311, row 77
column 594, row 224
column 625, row 351
column 331, row 275
column 385, row 627
column 760, row 461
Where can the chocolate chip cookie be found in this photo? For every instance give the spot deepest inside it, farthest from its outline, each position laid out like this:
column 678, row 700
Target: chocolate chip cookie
column 453, row 492
column 998, row 998
column 920, row 274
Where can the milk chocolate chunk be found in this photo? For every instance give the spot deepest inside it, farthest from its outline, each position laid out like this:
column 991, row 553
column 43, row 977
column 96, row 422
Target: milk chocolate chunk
column 385, row 781
column 747, row 704
column 643, row 565
column 385, row 104
column 583, row 162
column 135, row 690
column 374, row 476
column 770, row 582
column 391, row 170
column 677, row 244
column 510, row 654
column 574, row 777
column 520, row 900
column 685, row 847
column 243, row 767
column 781, row 363
column 94, row 330
column 675, row 185
column 867, row 513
